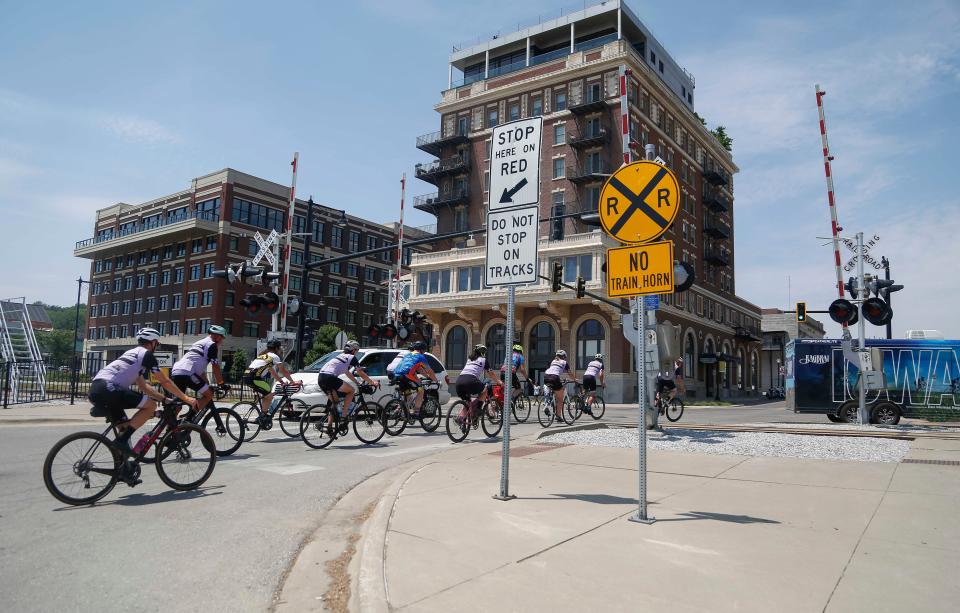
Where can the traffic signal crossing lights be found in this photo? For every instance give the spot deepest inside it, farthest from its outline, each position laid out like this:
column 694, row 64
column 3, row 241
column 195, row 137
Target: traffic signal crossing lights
column 876, row 311
column 386, row 331
column 267, row 302
column 581, row 287
column 801, row 312
column 309, row 335
column 556, row 277
column 842, row 311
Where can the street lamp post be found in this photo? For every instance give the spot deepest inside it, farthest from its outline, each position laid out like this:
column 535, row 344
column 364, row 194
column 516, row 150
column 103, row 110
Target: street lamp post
column 76, row 333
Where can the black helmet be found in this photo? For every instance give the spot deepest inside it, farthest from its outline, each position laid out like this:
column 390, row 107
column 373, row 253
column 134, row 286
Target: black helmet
column 418, row 346
column 274, row 343
column 480, row 349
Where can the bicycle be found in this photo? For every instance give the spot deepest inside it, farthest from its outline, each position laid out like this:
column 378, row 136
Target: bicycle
column 398, row 413
column 489, row 417
column 520, row 404
column 367, row 418
column 547, row 412
column 91, row 463
column 290, row 409
column 598, row 408
column 672, row 408
column 225, row 426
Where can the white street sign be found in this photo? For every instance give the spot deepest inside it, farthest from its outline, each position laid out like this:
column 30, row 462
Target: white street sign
column 266, row 247
column 515, row 164
column 512, row 246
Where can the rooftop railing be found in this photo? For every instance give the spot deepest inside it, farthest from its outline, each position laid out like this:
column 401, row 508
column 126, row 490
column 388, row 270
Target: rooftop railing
column 150, row 225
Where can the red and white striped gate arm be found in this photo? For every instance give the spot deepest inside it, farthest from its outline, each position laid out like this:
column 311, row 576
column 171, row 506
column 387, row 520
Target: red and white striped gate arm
column 625, row 114
column 281, row 322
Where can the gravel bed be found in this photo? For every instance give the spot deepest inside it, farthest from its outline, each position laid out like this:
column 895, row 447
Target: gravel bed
column 904, row 428
column 778, row 445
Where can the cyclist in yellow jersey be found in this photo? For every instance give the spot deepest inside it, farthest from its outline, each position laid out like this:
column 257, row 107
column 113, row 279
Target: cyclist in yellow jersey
column 256, row 375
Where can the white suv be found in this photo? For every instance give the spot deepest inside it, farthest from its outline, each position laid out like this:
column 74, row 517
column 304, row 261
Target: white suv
column 374, row 362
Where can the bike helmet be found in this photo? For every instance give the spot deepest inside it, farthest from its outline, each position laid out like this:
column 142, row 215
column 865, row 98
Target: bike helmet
column 518, row 348
column 480, row 349
column 351, row 346
column 217, row 330
column 561, row 354
column 599, row 356
column 274, row 343
column 148, row 334
column 418, row 346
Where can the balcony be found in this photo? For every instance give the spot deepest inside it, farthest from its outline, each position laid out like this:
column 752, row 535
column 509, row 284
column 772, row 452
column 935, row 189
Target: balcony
column 589, row 138
column 716, row 203
column 717, row 256
column 434, row 142
column 431, row 172
column 590, row 104
column 716, row 229
column 432, row 203
column 190, row 223
column 716, row 176
column 586, row 173
column 746, row 334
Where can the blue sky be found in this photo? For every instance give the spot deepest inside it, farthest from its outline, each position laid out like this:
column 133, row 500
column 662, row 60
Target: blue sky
column 118, row 101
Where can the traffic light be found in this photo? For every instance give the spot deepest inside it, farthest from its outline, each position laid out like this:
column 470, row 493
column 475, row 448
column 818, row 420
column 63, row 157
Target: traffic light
column 876, row 311
column 581, row 287
column 557, row 277
column 230, row 274
column 683, row 276
column 309, row 334
column 293, row 305
column 556, row 232
column 801, row 312
column 268, row 302
column 386, row 331
column 842, row 311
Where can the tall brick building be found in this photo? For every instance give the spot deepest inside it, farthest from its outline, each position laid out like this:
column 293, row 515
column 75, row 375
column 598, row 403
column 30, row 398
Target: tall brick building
column 152, row 264
column 566, row 70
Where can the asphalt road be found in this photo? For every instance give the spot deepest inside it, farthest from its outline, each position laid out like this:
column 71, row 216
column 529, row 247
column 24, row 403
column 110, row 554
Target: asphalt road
column 223, row 547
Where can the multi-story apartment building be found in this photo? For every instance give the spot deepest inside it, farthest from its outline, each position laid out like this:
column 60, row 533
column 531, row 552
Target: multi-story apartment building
column 152, row 265
column 566, row 70
column 778, row 329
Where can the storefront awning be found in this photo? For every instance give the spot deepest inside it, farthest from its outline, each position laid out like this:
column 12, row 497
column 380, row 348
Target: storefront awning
column 708, row 358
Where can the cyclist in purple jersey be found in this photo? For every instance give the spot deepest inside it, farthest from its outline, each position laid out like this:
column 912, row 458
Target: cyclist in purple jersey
column 470, row 380
column 190, row 371
column 552, row 378
column 593, row 372
column 111, row 394
column 331, row 383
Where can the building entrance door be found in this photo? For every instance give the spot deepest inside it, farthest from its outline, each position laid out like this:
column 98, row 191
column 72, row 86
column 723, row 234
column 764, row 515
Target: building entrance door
column 542, row 347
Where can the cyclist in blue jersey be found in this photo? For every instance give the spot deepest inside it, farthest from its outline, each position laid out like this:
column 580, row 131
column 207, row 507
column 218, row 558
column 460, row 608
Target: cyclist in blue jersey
column 517, row 362
column 406, row 373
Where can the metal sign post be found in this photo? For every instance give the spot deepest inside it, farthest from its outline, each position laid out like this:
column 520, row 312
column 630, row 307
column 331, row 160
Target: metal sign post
column 513, row 223
column 641, row 515
column 862, row 294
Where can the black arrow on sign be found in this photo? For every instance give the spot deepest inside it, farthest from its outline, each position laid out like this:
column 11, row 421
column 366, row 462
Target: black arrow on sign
column 509, row 194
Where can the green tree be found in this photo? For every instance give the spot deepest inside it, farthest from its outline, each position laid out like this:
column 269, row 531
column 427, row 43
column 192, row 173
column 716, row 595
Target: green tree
column 720, row 133
column 64, row 317
column 238, row 364
column 323, row 343
column 57, row 344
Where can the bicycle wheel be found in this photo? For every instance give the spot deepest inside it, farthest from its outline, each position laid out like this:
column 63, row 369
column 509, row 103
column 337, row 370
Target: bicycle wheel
column 599, row 407
column 545, row 414
column 521, row 409
column 186, row 456
column 225, row 427
column 314, row 429
column 573, row 408
column 249, row 412
column 431, row 414
column 368, row 423
column 81, row 468
column 395, row 417
column 675, row 409
column 457, row 429
column 491, row 420
column 289, row 416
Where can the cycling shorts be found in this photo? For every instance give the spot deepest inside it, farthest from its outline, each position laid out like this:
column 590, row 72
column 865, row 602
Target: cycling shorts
column 329, row 382
column 589, row 383
column 113, row 403
column 185, row 382
column 467, row 386
column 258, row 383
column 553, row 382
column 405, row 383
column 665, row 384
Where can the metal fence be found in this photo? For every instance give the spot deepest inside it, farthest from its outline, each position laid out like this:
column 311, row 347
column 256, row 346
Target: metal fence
column 22, row 382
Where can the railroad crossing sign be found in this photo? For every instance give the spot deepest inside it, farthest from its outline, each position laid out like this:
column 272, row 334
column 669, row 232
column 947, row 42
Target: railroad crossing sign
column 266, row 248
column 639, row 202
column 640, row 270
column 515, row 164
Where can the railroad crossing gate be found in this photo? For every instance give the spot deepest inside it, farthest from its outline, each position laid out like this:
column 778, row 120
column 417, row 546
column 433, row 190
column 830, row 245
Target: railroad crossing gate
column 639, row 202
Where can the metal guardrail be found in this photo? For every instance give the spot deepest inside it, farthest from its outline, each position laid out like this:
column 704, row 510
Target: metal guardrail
column 151, row 225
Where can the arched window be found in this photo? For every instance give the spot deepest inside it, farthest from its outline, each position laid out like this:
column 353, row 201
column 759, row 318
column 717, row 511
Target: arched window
column 541, row 349
column 590, row 341
column 495, row 342
column 689, row 358
column 456, row 349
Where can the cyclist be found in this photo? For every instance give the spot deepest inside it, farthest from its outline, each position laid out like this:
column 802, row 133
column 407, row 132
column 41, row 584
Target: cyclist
column 516, row 361
column 258, row 375
column 679, row 378
column 406, row 373
column 190, row 371
column 392, row 366
column 552, row 378
column 594, row 371
column 665, row 382
column 331, row 383
column 110, row 388
column 470, row 381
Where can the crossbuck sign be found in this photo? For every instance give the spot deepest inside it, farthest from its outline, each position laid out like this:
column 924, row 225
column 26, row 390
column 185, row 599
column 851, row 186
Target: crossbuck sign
column 266, row 248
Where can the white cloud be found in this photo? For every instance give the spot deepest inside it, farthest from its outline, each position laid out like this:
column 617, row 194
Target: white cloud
column 139, row 130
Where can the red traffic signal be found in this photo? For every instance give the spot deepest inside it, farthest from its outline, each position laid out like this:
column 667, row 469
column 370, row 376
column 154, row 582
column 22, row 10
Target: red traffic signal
column 255, row 303
column 876, row 311
column 842, row 311
column 373, row 331
column 387, row 331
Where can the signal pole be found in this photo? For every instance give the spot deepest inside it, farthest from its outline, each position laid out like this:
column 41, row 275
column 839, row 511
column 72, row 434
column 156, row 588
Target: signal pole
column 886, row 275
column 304, row 281
column 862, row 294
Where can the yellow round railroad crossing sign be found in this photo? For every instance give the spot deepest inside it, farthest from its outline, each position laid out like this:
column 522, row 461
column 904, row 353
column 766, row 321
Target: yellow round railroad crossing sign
column 639, row 202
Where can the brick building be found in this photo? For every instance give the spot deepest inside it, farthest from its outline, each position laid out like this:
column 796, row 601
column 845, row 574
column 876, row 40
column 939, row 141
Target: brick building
column 567, row 71
column 152, row 265
column 778, row 329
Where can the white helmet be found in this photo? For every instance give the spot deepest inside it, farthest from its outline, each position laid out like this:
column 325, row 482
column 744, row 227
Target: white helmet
column 351, row 346
column 561, row 354
column 148, row 334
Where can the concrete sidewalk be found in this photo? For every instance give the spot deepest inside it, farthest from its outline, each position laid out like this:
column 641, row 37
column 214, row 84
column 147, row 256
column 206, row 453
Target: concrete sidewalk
column 55, row 413
column 733, row 533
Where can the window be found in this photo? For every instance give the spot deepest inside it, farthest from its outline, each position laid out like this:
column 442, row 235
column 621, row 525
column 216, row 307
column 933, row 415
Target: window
column 138, row 306
column 351, row 294
column 336, row 237
column 560, row 101
column 574, row 265
column 208, row 270
column 161, row 328
column 469, row 278
column 558, row 167
column 204, row 326
column 352, row 271
column 165, row 277
column 151, row 305
column 492, row 117
column 336, row 268
column 513, row 110
column 151, row 279
column 196, row 246
column 559, row 133
column 456, row 348
column 369, row 273
column 258, row 215
column 351, row 318
column 591, row 199
column 495, row 341
column 140, row 280
column 251, row 329
column 113, row 332
column 207, row 298
column 296, row 257
column 130, row 260
column 164, row 302
column 371, row 242
column 178, row 274
column 174, row 328
column 653, row 57
column 333, row 289
column 463, row 125
column 142, row 257
column 115, row 308
column 252, row 248
column 594, row 92
column 433, row 282
column 154, row 255
column 211, row 243
column 125, row 331
column 195, row 272
column 460, row 219
column 318, row 232
column 118, row 282
column 313, row 285
column 190, row 326
column 354, row 242
column 126, row 307
column 333, row 314
column 192, row 300
column 536, row 107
